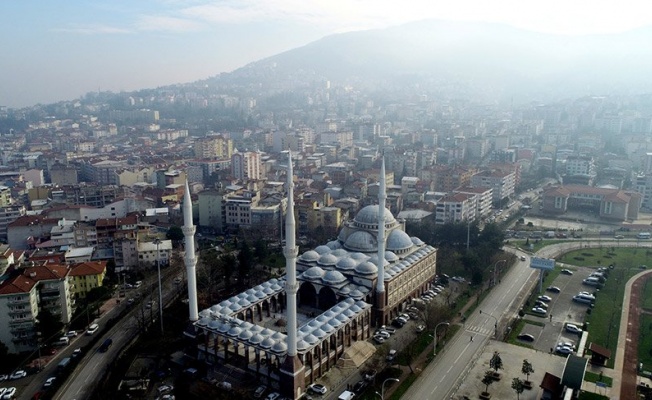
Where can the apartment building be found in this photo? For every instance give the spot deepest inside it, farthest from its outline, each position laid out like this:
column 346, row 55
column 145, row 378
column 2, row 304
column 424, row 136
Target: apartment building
column 456, row 207
column 86, row 276
column 501, row 183
column 246, row 166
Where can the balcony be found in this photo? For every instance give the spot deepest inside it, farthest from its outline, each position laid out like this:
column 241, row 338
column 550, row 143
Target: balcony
column 49, row 290
column 23, row 300
column 15, row 321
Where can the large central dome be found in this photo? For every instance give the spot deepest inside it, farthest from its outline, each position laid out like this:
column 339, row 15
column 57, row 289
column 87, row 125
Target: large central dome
column 369, row 216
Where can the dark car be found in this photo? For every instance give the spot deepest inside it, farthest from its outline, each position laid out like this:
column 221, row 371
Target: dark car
column 526, row 337
column 360, row 387
column 553, row 289
column 566, row 272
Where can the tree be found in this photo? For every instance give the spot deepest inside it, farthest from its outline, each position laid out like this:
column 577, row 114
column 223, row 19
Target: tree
column 48, row 324
column 518, row 386
column 487, row 380
column 244, row 259
column 175, row 234
column 527, row 369
column 496, row 362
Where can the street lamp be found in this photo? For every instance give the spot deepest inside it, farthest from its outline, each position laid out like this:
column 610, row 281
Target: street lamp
column 434, row 348
column 157, row 242
column 382, row 387
column 495, row 323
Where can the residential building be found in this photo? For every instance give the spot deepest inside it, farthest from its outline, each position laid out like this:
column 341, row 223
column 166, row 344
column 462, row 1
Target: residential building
column 246, row 166
column 501, row 183
column 456, row 207
column 85, row 276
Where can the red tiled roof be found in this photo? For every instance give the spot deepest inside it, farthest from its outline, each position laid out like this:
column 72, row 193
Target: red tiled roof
column 17, row 284
column 46, row 272
column 88, row 268
column 27, row 220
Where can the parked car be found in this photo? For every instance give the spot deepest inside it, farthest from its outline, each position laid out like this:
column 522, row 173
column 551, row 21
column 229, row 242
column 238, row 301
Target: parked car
column 420, row 328
column 553, row 289
column 21, row 373
column 563, row 350
column 273, row 396
column 392, row 355
column 9, row 393
column 544, row 298
column 3, row 377
column 566, row 344
column 71, row 334
column 541, row 304
column 370, row 374
column 539, row 310
column 572, row 328
column 359, row 387
column 260, row 390
column 165, row 389
column 566, row 272
column 384, row 334
column 379, row 339
column 388, row 329
column 526, row 337
column 317, row 388
column 522, row 258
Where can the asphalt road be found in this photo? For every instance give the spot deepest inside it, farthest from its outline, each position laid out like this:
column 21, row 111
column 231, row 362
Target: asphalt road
column 441, row 378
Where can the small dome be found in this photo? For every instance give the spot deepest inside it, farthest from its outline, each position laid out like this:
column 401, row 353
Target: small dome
column 204, row 321
column 334, row 245
column 355, row 294
column 327, row 259
column 267, row 343
column 310, row 256
column 369, row 215
column 214, row 324
column 374, row 260
column 346, row 263
column 334, row 277
column 223, row 327
column 314, row 273
column 278, row 336
column 244, row 303
column 398, row 240
column 310, row 338
column 327, row 327
column 366, row 268
column 323, row 249
column 339, row 252
column 255, row 339
column 361, row 241
column 358, row 256
column 245, row 335
column 280, row 347
column 302, row 345
column 344, row 291
column 390, row 256
column 252, row 298
column 319, row 333
column 342, row 317
column 417, row 241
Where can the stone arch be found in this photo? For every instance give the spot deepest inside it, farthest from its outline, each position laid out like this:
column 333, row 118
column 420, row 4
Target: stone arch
column 308, row 295
column 327, row 298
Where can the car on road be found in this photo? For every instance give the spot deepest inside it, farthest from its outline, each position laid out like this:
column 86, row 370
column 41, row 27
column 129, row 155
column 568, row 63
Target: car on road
column 50, row 381
column 165, row 389
column 76, row 353
column 563, row 350
column 260, row 390
column 273, row 396
column 71, row 334
column 553, row 289
column 539, row 310
column 370, row 374
column 572, row 328
column 317, row 388
column 566, row 272
column 21, row 373
column 526, row 337
column 9, row 393
column 619, row 237
column 379, row 339
column 544, row 298
column 420, row 328
column 522, row 258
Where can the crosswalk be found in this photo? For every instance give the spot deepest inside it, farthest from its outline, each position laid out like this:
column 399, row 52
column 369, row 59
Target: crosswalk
column 480, row 330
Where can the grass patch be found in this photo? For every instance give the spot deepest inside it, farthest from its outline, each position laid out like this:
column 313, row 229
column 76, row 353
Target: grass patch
column 646, row 295
column 591, row 396
column 593, row 377
column 404, row 386
column 645, row 341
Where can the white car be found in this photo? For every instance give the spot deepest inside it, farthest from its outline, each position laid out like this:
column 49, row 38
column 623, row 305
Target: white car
column 539, row 310
column 572, row 328
column 9, row 393
column 317, row 388
column 273, row 396
column 544, row 298
column 383, row 334
column 71, row 334
column 165, row 389
column 18, row 374
column 4, row 377
column 563, row 350
column 379, row 339
column 566, row 344
column 50, row 381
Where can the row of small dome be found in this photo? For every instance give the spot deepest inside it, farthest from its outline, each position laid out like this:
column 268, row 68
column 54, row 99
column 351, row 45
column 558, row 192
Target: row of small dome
column 246, row 298
column 407, row 262
column 308, row 335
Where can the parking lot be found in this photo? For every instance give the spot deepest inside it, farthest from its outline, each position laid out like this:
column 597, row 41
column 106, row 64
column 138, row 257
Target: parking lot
column 562, row 310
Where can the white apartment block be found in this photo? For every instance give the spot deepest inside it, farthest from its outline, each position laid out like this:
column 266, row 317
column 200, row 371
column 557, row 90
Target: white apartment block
column 456, row 207
column 483, row 201
column 246, row 166
column 576, row 165
column 502, row 183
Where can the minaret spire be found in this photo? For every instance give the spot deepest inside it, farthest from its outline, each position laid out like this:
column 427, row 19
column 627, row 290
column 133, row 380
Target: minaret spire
column 292, row 370
column 380, row 282
column 190, row 260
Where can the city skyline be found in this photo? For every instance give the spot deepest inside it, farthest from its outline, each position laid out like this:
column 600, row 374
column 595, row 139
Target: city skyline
column 64, row 50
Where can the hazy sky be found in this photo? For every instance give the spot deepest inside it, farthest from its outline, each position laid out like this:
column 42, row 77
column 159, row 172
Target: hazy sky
column 56, row 50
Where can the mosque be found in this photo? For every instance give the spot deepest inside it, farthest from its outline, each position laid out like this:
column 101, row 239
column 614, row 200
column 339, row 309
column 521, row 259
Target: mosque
column 330, row 297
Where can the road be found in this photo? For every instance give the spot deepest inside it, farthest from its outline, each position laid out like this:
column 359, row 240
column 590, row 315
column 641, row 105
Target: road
column 441, row 378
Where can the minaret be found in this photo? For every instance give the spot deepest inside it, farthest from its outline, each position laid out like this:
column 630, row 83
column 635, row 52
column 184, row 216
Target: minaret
column 380, row 283
column 190, row 259
column 292, row 371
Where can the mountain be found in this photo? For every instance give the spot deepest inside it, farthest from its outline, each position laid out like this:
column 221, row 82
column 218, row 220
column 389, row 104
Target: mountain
column 485, row 59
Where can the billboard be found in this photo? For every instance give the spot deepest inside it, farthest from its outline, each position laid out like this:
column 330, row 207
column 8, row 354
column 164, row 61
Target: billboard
column 542, row 263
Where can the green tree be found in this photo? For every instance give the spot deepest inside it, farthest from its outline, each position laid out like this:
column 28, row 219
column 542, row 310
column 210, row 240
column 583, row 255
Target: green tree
column 487, row 381
column 261, row 251
column 527, row 369
column 48, row 324
column 175, row 234
column 244, row 259
column 496, row 362
column 518, row 386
